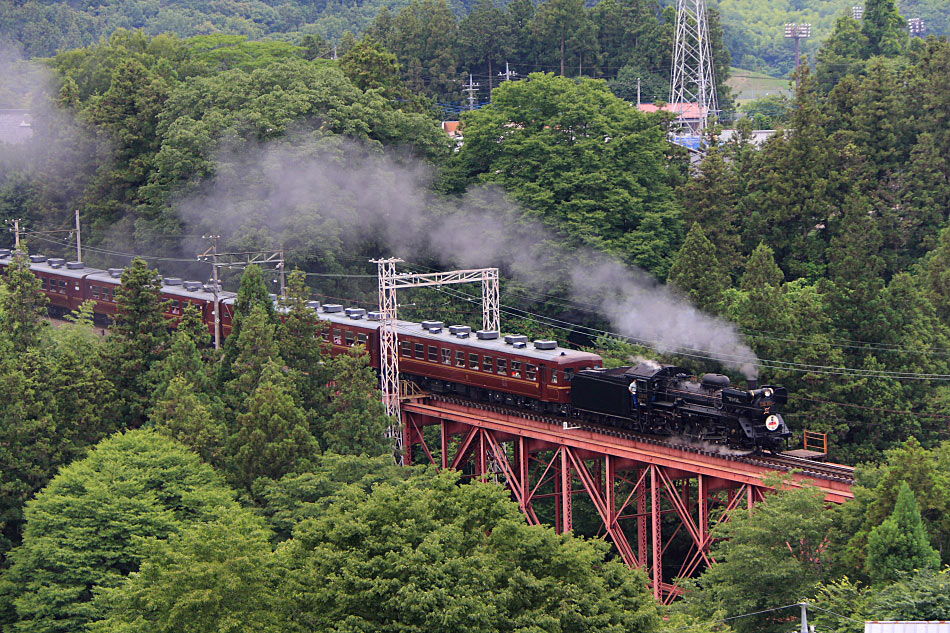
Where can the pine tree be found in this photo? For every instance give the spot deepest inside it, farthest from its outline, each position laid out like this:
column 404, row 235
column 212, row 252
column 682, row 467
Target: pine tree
column 183, row 414
column 270, row 438
column 139, row 340
column 885, row 29
column 925, row 197
column 22, row 303
column 184, row 358
column 696, row 270
column 254, row 347
column 357, row 420
column 900, row 543
column 301, row 345
column 936, row 276
column 252, row 292
column 710, row 198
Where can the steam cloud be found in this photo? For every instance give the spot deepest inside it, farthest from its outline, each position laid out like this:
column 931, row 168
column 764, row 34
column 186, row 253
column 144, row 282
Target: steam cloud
column 315, row 191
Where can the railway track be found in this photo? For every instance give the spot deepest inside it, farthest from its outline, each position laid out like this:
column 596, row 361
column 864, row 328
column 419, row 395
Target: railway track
column 782, row 463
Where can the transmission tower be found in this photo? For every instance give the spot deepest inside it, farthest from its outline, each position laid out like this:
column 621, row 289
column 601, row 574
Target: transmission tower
column 693, row 80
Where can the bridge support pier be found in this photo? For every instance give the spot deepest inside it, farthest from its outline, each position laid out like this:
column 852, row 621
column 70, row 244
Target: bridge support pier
column 657, row 505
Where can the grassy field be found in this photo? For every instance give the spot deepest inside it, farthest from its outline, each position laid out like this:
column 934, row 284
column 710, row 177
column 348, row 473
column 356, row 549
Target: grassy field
column 747, row 85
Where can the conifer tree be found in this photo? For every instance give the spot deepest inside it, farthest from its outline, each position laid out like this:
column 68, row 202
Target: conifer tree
column 185, row 357
column 696, row 270
column 885, row 29
column 252, row 292
column 710, row 199
column 936, row 276
column 270, row 437
column 900, row 543
column 301, row 345
column 185, row 415
column 357, row 420
column 139, row 339
column 253, row 348
column 22, row 303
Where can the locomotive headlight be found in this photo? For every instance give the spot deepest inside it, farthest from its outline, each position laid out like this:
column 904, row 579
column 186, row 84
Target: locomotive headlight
column 767, row 392
column 773, row 422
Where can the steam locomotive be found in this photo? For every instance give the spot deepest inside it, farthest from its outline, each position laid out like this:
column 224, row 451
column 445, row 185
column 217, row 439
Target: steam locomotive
column 539, row 376
column 663, row 400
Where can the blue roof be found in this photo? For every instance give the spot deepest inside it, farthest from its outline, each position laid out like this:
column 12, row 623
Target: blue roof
column 689, row 142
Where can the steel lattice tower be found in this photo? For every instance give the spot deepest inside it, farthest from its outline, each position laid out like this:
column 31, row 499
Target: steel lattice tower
column 693, row 77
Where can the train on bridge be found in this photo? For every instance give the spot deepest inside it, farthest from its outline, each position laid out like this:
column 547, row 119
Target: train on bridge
column 649, row 397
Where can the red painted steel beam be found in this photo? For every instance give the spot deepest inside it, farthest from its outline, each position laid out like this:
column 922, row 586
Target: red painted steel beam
column 547, row 436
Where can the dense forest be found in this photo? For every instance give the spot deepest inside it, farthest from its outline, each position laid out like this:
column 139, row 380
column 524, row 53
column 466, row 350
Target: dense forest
column 150, row 484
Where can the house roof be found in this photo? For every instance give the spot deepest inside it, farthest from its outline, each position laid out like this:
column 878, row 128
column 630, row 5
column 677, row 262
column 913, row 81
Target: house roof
column 452, row 128
column 685, row 110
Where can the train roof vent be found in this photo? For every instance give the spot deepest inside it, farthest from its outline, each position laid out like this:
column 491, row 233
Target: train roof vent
column 314, row 305
column 511, row 339
column 545, row 344
column 355, row 313
column 520, row 344
column 459, row 329
column 56, row 262
column 428, row 325
column 75, row 265
column 374, row 316
column 115, row 272
column 37, row 259
column 435, row 330
column 332, row 307
column 486, row 335
column 210, row 288
column 461, row 335
column 193, row 286
column 5, row 252
column 173, row 281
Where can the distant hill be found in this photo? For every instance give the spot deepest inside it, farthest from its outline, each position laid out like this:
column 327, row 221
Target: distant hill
column 748, row 84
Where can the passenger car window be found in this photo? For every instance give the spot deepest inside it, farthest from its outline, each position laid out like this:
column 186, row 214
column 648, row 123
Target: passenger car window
column 350, row 338
column 473, row 361
column 361, row 339
column 554, row 373
column 568, row 374
column 446, row 356
column 487, row 363
column 531, row 371
column 337, row 336
column 420, row 351
column 502, row 367
column 460, row 359
column 433, row 354
column 516, row 369
column 405, row 348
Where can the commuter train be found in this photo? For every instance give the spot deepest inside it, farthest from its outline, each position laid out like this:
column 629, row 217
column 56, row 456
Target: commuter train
column 510, row 370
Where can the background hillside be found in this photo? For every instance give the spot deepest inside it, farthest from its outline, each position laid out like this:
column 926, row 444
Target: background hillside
column 753, row 29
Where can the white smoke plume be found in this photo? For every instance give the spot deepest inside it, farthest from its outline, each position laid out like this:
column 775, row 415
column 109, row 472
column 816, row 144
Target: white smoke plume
column 316, row 194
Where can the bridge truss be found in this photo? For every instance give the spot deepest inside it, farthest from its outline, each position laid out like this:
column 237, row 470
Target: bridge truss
column 657, row 504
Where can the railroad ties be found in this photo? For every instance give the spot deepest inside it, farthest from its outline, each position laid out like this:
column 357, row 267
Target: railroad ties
column 656, row 500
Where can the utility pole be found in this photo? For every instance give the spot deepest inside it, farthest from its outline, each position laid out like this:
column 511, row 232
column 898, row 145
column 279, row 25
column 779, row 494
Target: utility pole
column 471, row 89
column 214, row 290
column 638, row 93
column 508, row 74
column 78, row 239
column 280, row 266
column 16, row 233
column 804, row 617
column 334, row 51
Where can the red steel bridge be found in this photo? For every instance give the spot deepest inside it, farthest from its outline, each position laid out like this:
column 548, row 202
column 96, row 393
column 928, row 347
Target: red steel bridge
column 655, row 501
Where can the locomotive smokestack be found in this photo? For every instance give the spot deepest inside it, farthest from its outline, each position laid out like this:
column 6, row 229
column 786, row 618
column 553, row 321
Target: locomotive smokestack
column 753, row 384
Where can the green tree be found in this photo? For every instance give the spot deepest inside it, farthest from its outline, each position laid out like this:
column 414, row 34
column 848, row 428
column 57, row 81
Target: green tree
column 696, row 270
column 185, row 357
column 884, row 28
column 370, row 66
column 936, row 275
column 556, row 21
column 252, row 292
column 582, row 161
column 89, row 528
column 486, row 37
column 300, row 339
column 219, row 575
column 139, row 339
column 254, row 347
column 356, row 420
column 270, row 436
column 900, row 543
column 22, row 303
column 922, row 595
column 482, row 567
column 710, row 198
column 772, row 555
column 184, row 415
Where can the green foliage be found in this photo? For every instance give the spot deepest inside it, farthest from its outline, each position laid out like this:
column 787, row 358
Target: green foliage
column 89, row 528
column 900, row 543
column 183, row 415
column 139, row 338
column 218, row 575
column 923, row 595
column 22, row 303
column 696, row 270
column 356, row 419
column 467, row 549
column 582, row 161
column 771, row 555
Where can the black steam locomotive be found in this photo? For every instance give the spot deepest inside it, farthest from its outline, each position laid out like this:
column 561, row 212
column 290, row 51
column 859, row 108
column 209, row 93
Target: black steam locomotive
column 663, row 400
